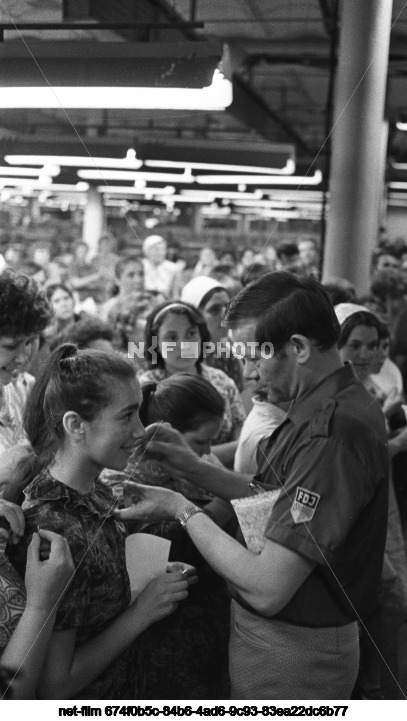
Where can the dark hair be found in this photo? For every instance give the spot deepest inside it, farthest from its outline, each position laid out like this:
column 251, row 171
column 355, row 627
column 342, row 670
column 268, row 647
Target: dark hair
column 282, row 304
column 389, row 283
column 71, row 380
column 340, row 290
column 84, row 331
column 53, row 287
column 24, row 308
column 363, row 317
column 123, row 262
column 167, row 400
column 288, row 248
column 156, row 318
column 210, row 293
column 384, row 331
column 255, row 271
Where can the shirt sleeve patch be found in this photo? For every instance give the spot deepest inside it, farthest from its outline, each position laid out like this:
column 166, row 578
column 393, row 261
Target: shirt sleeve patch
column 304, row 505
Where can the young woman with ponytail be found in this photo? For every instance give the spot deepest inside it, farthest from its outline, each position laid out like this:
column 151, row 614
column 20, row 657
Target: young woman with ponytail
column 81, row 416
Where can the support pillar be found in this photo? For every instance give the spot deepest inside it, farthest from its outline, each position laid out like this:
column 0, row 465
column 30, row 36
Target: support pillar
column 357, row 156
column 93, row 220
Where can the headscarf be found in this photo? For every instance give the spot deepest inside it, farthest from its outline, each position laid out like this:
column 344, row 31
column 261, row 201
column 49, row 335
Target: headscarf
column 195, row 291
column 345, row 310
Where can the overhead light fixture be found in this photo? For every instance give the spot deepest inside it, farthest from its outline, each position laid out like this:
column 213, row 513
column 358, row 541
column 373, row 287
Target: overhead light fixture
column 176, row 76
column 217, row 96
column 210, row 195
column 130, row 162
column 29, row 172
column 397, row 185
column 287, row 170
column 44, row 183
column 401, row 126
column 131, row 190
column 298, row 180
column 185, row 177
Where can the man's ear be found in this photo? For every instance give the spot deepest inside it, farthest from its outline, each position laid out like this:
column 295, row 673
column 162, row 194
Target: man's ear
column 73, row 426
column 301, row 347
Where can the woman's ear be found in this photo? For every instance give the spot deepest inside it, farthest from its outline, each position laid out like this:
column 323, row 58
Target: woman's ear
column 73, row 426
column 301, row 347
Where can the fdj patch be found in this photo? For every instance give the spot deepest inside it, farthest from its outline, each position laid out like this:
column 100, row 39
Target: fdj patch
column 305, row 505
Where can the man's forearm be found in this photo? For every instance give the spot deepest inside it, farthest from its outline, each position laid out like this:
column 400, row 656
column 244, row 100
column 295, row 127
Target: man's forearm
column 217, row 480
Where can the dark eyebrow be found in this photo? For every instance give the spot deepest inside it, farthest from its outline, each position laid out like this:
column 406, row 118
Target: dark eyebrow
column 131, row 407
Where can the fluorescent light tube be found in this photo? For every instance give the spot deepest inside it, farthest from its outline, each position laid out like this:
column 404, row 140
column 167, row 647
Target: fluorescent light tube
column 217, row 96
column 298, row 180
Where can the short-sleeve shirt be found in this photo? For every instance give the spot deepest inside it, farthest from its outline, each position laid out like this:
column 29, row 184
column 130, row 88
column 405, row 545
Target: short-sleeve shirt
column 100, row 589
column 234, row 415
column 329, row 458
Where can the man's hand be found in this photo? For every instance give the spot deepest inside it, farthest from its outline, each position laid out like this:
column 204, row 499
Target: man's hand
column 151, row 503
column 167, row 446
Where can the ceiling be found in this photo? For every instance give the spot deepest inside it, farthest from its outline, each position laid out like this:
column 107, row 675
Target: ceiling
column 283, row 58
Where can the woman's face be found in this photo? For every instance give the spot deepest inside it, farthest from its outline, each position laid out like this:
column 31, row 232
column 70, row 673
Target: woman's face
column 62, row 303
column 360, row 349
column 111, row 435
column 200, row 440
column 213, row 313
column 179, row 343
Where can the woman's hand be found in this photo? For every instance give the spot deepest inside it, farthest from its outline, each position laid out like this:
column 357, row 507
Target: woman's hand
column 46, row 581
column 187, row 571
column 14, row 518
column 151, row 503
column 161, row 596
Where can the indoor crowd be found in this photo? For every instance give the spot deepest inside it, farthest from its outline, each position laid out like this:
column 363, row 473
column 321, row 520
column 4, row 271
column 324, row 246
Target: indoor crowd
column 309, row 442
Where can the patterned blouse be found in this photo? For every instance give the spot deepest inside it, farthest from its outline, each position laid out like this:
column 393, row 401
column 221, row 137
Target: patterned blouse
column 100, row 589
column 13, row 398
column 234, row 415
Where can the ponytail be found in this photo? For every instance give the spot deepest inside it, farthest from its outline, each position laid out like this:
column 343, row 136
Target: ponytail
column 39, row 421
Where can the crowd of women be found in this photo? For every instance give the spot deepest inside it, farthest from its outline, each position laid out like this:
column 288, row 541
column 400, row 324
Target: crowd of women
column 73, row 411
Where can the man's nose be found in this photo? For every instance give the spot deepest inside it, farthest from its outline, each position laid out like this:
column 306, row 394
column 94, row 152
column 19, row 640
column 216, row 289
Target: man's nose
column 250, row 370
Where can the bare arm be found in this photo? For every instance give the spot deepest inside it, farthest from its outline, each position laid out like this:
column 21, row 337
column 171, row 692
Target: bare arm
column 69, row 668
column 225, row 452
column 266, row 581
column 46, row 582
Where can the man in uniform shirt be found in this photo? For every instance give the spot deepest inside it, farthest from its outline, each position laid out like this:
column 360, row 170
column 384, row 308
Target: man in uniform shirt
column 296, row 603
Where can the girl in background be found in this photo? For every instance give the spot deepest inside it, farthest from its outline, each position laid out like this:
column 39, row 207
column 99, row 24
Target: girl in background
column 183, row 326
column 186, row 656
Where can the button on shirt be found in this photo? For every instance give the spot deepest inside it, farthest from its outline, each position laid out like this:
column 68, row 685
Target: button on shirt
column 329, row 459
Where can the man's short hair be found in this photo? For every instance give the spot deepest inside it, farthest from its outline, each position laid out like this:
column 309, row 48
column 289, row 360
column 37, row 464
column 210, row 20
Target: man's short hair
column 24, row 308
column 283, row 304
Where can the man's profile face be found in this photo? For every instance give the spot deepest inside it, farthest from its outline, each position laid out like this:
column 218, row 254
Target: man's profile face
column 279, row 373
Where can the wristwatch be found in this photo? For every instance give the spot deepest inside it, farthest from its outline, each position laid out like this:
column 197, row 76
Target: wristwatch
column 184, row 517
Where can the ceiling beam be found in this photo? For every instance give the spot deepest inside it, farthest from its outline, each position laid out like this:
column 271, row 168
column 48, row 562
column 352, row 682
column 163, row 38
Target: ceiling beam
column 251, row 110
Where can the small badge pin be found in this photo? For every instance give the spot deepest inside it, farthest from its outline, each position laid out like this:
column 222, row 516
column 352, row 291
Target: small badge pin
column 304, row 505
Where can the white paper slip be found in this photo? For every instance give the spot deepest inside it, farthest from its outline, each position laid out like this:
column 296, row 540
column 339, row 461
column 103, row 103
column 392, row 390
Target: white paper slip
column 146, row 558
